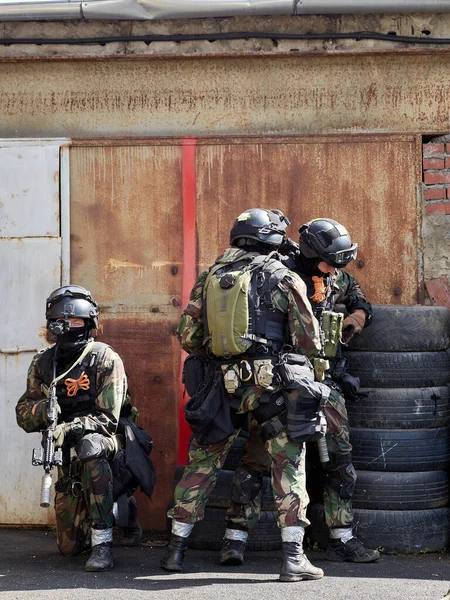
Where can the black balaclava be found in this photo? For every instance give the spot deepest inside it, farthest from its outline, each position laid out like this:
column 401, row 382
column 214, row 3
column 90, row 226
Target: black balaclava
column 71, row 343
column 308, row 266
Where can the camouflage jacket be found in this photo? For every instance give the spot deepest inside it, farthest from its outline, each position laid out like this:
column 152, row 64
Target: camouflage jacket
column 289, row 297
column 110, row 393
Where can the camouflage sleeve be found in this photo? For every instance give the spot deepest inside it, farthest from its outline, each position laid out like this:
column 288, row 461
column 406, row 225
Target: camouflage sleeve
column 351, row 295
column 31, row 407
column 190, row 330
column 112, row 390
column 303, row 326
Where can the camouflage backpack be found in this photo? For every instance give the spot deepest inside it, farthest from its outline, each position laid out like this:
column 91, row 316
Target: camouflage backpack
column 236, row 295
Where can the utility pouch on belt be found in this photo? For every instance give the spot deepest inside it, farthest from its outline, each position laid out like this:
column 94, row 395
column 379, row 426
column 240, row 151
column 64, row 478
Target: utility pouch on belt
column 208, row 411
column 194, row 370
column 231, row 378
column 332, row 324
column 294, row 367
column 304, row 402
column 263, row 372
column 320, row 366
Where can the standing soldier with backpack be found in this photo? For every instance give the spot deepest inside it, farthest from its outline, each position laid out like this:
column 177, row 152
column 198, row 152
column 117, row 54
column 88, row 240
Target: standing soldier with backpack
column 249, row 331
column 324, row 249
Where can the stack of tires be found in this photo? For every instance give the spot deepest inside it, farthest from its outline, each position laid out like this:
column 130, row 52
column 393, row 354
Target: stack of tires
column 208, row 533
column 400, row 429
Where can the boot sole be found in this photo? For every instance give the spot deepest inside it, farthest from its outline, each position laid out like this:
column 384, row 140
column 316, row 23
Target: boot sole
column 354, row 560
column 232, row 562
column 171, row 570
column 94, row 570
column 302, row 577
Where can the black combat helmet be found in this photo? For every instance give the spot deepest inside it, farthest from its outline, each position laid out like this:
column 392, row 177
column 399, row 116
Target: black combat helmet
column 327, row 240
column 72, row 301
column 264, row 226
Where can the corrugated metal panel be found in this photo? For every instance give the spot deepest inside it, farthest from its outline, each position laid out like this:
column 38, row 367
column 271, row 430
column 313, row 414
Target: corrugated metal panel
column 127, row 249
column 31, row 269
column 29, row 191
column 368, row 184
column 127, row 241
column 30, row 259
column 20, row 491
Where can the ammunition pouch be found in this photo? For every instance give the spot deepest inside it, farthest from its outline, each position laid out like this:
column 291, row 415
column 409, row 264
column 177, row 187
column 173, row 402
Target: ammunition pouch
column 331, row 324
column 245, row 486
column 304, row 400
column 195, row 368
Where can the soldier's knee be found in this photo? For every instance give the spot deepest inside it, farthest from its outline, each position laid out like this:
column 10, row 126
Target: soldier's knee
column 246, row 485
column 93, row 445
column 341, row 476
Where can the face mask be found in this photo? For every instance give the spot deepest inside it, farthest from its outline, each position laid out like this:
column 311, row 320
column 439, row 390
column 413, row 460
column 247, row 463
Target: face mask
column 71, row 337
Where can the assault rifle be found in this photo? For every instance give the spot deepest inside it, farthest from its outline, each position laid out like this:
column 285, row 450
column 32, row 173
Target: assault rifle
column 47, row 455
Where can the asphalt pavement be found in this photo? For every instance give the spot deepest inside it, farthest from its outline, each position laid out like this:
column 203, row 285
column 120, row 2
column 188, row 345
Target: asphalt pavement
column 32, row 567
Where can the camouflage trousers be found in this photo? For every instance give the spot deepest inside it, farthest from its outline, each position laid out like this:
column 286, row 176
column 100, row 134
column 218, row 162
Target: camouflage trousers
column 338, row 510
column 287, row 466
column 83, row 499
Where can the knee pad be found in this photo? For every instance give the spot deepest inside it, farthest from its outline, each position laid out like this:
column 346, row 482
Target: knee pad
column 92, row 445
column 246, row 486
column 342, row 480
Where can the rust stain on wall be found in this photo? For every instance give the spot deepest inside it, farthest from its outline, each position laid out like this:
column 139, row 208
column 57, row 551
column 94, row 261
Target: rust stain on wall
column 245, row 95
column 126, row 235
column 368, row 184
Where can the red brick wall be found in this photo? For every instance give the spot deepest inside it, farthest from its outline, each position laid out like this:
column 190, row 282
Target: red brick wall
column 436, row 177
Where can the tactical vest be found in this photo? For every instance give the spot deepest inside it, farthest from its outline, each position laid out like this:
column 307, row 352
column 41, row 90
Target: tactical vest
column 83, row 402
column 267, row 325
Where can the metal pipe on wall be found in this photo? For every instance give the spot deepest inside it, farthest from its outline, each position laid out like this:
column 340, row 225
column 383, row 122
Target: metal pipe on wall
column 41, row 10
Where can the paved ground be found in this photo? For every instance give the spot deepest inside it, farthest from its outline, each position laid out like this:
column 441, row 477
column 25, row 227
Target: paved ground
column 31, row 567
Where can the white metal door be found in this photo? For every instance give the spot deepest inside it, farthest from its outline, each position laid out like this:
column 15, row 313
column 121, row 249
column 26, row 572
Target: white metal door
column 30, row 268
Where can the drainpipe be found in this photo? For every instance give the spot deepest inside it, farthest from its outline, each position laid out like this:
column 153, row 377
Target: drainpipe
column 49, row 10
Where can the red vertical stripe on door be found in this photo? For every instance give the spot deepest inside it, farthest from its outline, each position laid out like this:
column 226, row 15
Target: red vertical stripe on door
column 189, row 270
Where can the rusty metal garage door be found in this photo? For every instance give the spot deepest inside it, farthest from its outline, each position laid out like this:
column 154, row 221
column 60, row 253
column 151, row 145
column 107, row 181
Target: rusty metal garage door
column 127, row 230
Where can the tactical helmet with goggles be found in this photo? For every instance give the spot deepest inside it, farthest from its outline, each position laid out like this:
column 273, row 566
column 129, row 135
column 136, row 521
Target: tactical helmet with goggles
column 327, row 240
column 70, row 301
column 259, row 224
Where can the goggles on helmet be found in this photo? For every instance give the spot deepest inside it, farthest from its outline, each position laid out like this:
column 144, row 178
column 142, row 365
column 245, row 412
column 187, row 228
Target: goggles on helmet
column 343, row 257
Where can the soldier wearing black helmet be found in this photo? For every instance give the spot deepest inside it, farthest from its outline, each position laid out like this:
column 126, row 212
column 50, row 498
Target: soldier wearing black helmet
column 91, row 388
column 241, row 315
column 324, row 249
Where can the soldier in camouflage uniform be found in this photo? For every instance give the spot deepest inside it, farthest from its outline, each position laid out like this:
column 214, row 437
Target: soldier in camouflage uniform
column 91, row 387
column 325, row 247
column 255, row 232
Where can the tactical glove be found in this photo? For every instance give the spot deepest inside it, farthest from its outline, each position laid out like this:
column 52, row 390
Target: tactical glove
column 60, row 433
column 353, row 325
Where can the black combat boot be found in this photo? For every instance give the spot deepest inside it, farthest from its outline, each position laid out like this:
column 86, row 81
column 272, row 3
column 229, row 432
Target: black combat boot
column 173, row 560
column 296, row 567
column 132, row 533
column 353, row 551
column 101, row 558
column 232, row 552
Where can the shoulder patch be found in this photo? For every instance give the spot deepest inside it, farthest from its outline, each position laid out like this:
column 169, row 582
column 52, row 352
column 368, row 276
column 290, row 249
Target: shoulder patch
column 109, row 363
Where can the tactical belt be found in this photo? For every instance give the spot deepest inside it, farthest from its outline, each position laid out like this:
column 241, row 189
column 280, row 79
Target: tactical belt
column 249, row 371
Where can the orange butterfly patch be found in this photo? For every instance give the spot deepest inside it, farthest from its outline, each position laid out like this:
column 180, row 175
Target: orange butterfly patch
column 73, row 385
column 320, row 290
